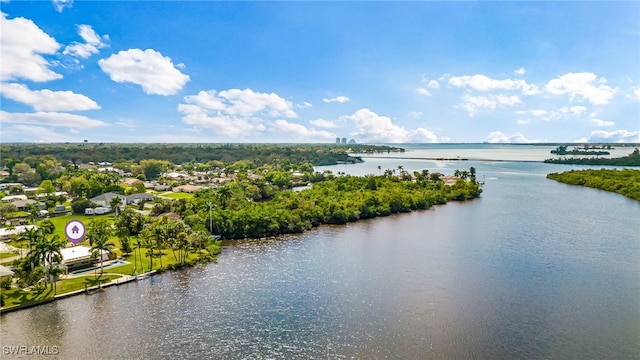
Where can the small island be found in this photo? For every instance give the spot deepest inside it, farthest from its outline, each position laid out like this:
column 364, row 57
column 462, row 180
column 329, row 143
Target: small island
column 562, row 150
column 632, row 159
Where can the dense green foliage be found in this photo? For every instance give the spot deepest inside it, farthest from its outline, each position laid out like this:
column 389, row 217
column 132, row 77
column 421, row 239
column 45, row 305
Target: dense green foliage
column 625, row 182
column 253, row 210
column 562, row 150
column 632, row 159
column 258, row 154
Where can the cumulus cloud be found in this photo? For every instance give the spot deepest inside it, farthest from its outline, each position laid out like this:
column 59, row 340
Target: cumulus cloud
column 520, row 71
column 42, row 134
column 423, row 91
column 300, row 132
column 93, row 42
column 60, row 5
column 509, row 100
column 614, row 136
column 233, row 113
column 481, row 82
column 235, row 102
column 154, row 72
column 601, row 123
column 23, row 45
column 304, row 105
column 433, row 84
column 500, row 137
column 50, row 119
column 327, row 124
column 582, row 85
column 372, row 127
column 47, row 100
column 340, row 99
column 473, row 103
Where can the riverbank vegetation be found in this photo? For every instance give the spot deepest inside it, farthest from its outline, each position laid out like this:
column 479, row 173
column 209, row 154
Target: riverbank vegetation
column 625, row 181
column 258, row 154
column 632, row 159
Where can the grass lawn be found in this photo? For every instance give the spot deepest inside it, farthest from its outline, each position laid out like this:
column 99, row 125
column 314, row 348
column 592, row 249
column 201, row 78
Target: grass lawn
column 15, row 296
column 61, row 221
column 178, row 195
column 4, row 255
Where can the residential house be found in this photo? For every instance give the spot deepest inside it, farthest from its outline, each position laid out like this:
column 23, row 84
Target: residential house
column 104, row 200
column 79, row 257
column 131, row 181
column 5, row 233
column 187, row 188
column 137, row 198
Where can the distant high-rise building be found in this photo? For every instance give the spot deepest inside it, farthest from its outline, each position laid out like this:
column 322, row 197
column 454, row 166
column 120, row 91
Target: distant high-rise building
column 337, row 140
column 344, row 140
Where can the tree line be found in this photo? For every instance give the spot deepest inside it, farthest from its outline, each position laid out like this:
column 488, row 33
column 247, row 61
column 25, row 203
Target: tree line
column 316, row 154
column 625, row 181
column 632, row 159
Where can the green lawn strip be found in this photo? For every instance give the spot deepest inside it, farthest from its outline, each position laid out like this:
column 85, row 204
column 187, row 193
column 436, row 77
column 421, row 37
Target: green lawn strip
column 178, row 195
column 77, row 283
column 14, row 296
column 4, row 255
column 141, row 266
column 61, row 221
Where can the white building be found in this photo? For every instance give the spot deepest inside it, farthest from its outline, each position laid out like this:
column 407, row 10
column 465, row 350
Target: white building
column 77, row 257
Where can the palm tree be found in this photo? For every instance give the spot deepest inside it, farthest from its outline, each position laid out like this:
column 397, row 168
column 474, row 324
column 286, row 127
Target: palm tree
column 101, row 245
column 224, row 194
column 115, row 203
column 50, row 253
column 47, row 226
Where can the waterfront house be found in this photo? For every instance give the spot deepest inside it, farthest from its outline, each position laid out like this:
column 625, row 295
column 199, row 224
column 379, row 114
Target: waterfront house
column 79, row 257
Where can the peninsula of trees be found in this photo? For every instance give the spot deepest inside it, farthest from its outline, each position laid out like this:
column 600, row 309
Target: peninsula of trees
column 632, row 159
column 625, row 181
column 157, row 215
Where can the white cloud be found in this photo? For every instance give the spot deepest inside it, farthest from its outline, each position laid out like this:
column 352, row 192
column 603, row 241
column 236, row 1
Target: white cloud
column 433, row 84
column 523, row 121
column 340, row 99
column 93, row 42
column 423, row 91
column 520, row 71
column 47, row 100
column 31, row 133
column 149, row 69
column 538, row 112
column 300, row 132
column 509, row 100
column 635, row 94
column 225, row 125
column 500, row 137
column 481, row 82
column 304, row 105
column 327, row 124
column 601, row 123
column 50, row 119
column 574, row 110
column 415, row 114
column 235, row 102
column 62, row 4
column 234, row 113
column 472, row 103
column 23, row 43
column 614, row 136
column 581, row 84
column 372, row 127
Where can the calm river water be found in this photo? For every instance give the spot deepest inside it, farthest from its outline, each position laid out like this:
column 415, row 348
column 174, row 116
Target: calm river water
column 532, row 269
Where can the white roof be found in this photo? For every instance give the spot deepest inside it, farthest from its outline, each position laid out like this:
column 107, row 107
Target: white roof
column 4, row 271
column 4, row 232
column 75, row 252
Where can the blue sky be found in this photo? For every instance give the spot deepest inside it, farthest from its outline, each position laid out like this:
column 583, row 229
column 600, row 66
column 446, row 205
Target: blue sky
column 376, row 72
